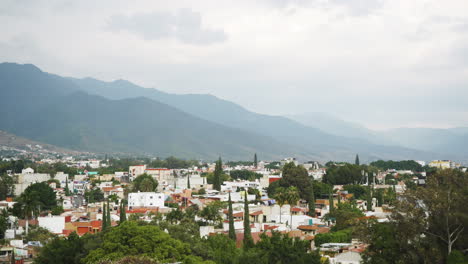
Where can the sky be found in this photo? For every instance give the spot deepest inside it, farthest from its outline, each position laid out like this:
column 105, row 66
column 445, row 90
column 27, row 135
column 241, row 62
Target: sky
column 382, row 63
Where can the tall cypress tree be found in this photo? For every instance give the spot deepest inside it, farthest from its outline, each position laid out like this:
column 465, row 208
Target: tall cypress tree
column 123, row 214
column 311, row 202
column 255, row 160
column 217, row 175
column 356, row 161
column 104, row 218
column 248, row 241
column 188, row 182
column 330, row 201
column 369, row 194
column 67, row 191
column 232, row 231
column 108, row 220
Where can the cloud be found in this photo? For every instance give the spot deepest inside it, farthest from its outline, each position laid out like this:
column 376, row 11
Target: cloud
column 185, row 26
column 359, row 7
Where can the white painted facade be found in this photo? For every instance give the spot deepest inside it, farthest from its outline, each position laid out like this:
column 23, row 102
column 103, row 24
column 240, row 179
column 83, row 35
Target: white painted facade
column 55, row 224
column 146, row 199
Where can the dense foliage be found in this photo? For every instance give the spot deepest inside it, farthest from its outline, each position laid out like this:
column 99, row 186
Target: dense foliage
column 428, row 225
column 144, row 183
column 7, row 186
column 173, row 163
column 343, row 174
column 397, row 165
column 36, row 197
column 244, row 175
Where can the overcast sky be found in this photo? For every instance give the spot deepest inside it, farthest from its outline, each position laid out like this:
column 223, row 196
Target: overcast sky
column 383, row 63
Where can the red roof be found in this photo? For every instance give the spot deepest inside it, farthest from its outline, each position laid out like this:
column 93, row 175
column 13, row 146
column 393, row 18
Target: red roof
column 255, row 237
column 307, row 227
column 256, row 213
column 268, row 227
column 240, row 214
column 142, row 210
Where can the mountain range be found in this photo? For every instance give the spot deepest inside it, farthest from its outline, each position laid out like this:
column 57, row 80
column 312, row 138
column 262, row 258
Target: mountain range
column 121, row 117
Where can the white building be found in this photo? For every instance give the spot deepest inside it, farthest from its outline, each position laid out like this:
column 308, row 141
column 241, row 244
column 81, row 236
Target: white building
column 27, row 177
column 162, row 175
column 233, row 185
column 196, row 181
column 55, row 224
column 94, row 164
column 146, row 199
column 136, row 170
column 349, row 257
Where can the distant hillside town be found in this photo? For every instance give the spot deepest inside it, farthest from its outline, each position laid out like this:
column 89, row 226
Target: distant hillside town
column 322, row 205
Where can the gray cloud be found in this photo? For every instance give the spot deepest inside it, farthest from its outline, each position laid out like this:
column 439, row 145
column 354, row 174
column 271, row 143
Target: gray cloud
column 359, row 7
column 185, row 26
column 384, row 63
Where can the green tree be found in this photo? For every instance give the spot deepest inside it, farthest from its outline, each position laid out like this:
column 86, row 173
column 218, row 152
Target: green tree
column 445, row 198
column 222, row 249
column 341, row 236
column 105, row 224
column 248, row 241
column 232, row 231
column 94, row 195
column 35, row 198
column 311, row 202
column 131, row 239
column 358, row 191
column 144, row 183
column 7, row 186
column 356, row 161
column 57, row 210
column 3, row 223
column 282, row 249
column 344, row 174
column 40, row 234
column 369, row 196
column 298, row 177
column 331, row 202
column 255, row 160
column 217, row 175
column 108, row 216
column 61, row 250
column 211, row 212
column 280, row 198
column 67, row 190
column 292, row 196
column 346, row 216
column 123, row 214
column 188, row 182
column 245, row 175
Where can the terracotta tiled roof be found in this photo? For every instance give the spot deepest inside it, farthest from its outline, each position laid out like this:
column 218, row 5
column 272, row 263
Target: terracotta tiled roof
column 295, row 233
column 255, row 237
column 322, row 230
column 308, row 227
column 256, row 213
column 142, row 210
column 239, row 214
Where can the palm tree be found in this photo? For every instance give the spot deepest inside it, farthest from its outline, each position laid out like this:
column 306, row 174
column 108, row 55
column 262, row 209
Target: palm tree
column 292, row 196
column 29, row 206
column 280, row 197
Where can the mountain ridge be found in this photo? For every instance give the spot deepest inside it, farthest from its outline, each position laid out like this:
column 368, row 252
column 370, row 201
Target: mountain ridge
column 211, row 120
